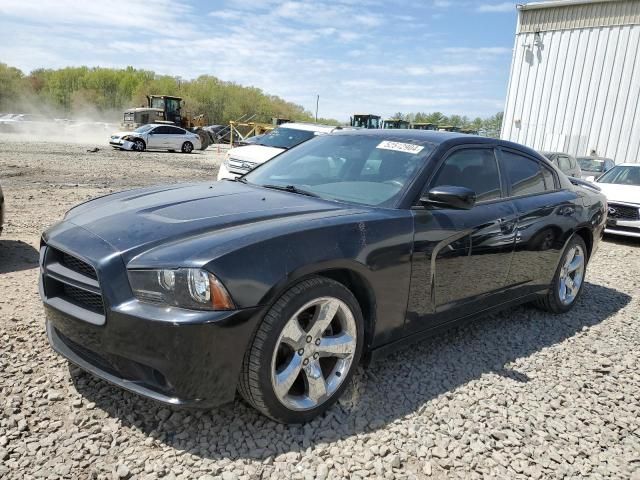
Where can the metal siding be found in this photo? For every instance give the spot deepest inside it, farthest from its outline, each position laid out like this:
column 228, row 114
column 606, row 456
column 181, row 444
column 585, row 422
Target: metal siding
column 581, row 91
column 605, row 14
column 630, row 136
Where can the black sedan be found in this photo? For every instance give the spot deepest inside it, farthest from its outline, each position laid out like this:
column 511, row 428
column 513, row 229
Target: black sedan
column 277, row 285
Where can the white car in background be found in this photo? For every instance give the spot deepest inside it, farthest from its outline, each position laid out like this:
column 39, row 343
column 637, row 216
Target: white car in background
column 621, row 185
column 241, row 160
column 156, row 137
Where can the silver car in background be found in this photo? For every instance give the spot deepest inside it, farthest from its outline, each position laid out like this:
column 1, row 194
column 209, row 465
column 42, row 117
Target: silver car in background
column 592, row 167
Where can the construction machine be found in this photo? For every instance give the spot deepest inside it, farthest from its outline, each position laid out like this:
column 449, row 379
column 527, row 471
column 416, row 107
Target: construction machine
column 366, row 120
column 395, row 123
column 166, row 109
column 423, row 126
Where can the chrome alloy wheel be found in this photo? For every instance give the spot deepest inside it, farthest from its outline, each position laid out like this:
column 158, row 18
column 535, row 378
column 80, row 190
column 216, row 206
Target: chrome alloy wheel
column 571, row 275
column 314, row 353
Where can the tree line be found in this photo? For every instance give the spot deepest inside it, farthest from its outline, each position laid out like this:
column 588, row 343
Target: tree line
column 105, row 92
column 489, row 127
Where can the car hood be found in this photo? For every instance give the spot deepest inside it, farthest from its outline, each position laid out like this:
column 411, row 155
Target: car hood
column 122, row 134
column 254, row 153
column 134, row 221
column 620, row 193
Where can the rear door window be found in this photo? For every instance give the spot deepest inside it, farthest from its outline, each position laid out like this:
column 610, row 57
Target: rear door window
column 524, row 174
column 473, row 168
column 174, row 131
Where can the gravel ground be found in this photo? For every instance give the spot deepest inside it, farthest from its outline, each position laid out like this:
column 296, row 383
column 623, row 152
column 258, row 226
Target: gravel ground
column 515, row 395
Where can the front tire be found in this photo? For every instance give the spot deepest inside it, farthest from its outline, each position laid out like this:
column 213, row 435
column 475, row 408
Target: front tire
column 304, row 352
column 187, row 147
column 139, row 145
column 566, row 287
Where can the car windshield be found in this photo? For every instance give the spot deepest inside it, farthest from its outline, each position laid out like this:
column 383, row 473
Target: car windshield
column 591, row 164
column 144, row 128
column 362, row 169
column 285, row 137
column 622, row 175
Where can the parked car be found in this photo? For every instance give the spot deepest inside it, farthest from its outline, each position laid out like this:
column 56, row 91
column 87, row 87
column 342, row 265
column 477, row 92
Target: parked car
column 340, row 249
column 241, row 160
column 565, row 162
column 621, row 185
column 1, row 209
column 155, row 136
column 251, row 140
column 592, row 167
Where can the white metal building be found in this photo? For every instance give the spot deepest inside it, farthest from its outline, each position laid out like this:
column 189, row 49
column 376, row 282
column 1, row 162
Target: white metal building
column 575, row 78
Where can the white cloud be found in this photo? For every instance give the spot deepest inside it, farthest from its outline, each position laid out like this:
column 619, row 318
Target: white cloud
column 453, row 69
column 478, row 50
column 496, row 7
column 157, row 16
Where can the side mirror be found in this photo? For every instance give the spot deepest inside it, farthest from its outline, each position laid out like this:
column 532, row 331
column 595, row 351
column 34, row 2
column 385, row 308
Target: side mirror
column 591, row 178
column 448, row 196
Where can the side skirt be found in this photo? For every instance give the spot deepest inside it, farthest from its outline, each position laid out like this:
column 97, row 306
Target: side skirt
column 384, row 350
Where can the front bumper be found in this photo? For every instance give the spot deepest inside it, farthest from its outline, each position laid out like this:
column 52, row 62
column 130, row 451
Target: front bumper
column 171, row 355
column 225, row 173
column 194, row 364
column 628, row 228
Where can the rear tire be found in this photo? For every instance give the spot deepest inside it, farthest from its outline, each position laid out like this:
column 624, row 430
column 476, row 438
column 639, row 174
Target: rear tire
column 187, row 147
column 296, row 368
column 568, row 281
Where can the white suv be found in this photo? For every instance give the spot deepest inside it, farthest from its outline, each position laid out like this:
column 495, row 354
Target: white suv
column 241, row 160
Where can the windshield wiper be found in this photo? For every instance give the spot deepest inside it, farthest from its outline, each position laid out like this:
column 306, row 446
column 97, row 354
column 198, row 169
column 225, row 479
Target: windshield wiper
column 292, row 189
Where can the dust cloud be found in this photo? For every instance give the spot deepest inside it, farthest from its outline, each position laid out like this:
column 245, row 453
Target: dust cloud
column 32, row 122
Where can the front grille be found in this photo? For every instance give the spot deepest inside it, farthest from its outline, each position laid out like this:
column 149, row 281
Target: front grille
column 83, row 298
column 241, row 165
column 78, row 266
column 623, row 212
column 73, row 281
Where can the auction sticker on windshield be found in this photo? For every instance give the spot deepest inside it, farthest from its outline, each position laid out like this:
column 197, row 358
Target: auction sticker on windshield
column 400, row 147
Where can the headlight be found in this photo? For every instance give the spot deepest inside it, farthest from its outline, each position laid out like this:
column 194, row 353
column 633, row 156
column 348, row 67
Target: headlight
column 227, row 159
column 184, row 287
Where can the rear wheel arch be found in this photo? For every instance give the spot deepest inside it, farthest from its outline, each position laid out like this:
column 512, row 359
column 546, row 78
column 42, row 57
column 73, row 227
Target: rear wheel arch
column 587, row 236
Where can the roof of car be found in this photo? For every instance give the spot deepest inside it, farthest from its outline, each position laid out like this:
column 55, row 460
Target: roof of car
column 435, row 137
column 310, row 127
column 628, row 164
column 432, row 136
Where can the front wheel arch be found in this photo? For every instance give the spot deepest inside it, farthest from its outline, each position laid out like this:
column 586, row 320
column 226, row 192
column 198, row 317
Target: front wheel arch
column 351, row 275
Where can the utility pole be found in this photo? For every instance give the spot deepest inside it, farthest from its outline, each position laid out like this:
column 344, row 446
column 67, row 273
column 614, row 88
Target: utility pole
column 317, row 102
